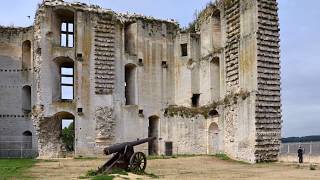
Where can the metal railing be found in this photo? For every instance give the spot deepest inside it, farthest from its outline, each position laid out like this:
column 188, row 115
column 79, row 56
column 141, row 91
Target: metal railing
column 16, row 147
column 311, row 148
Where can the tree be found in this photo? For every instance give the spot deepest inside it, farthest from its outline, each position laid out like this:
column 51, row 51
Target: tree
column 68, row 137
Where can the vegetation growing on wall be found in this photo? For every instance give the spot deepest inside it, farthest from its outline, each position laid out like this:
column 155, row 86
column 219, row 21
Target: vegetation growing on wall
column 200, row 17
column 189, row 112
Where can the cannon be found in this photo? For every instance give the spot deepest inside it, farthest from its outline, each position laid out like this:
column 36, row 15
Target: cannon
column 124, row 157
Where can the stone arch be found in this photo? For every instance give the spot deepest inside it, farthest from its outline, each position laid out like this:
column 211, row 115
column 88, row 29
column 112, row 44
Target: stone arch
column 26, row 54
column 64, row 114
column 130, row 84
column 213, row 138
column 213, row 113
column 153, row 131
column 27, row 133
column 26, row 99
column 67, row 121
column 50, row 136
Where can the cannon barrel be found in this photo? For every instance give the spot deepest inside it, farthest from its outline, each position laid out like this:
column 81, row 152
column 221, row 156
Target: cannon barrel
column 121, row 146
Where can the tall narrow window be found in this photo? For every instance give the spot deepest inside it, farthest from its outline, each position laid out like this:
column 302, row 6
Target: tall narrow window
column 195, row 100
column 26, row 99
column 67, row 34
column 184, row 50
column 67, row 82
column 26, row 54
column 130, row 84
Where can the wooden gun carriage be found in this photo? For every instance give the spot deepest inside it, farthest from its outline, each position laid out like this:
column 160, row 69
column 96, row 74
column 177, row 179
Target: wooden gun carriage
column 125, row 158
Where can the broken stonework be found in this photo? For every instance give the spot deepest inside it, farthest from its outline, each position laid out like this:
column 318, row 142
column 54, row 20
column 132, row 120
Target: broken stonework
column 211, row 88
column 105, row 125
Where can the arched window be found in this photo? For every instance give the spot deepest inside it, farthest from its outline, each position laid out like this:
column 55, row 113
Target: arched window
column 213, row 113
column 26, row 54
column 27, row 140
column 26, row 99
column 130, row 84
column 27, row 133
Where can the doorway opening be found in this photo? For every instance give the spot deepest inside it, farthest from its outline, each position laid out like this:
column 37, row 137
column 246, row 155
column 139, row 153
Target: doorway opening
column 153, row 132
column 168, row 148
column 130, row 84
column 213, row 138
column 68, row 134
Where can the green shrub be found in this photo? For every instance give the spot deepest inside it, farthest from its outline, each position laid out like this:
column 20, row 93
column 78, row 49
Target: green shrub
column 68, row 137
column 222, row 156
column 313, row 167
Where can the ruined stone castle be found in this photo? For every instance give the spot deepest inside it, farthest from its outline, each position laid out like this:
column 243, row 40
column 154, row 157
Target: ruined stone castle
column 211, row 88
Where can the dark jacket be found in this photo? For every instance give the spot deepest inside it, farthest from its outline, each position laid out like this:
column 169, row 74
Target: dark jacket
column 300, row 152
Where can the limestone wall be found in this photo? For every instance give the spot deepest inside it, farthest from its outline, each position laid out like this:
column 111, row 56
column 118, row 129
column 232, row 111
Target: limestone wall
column 268, row 105
column 130, row 69
column 189, row 135
column 16, row 73
column 182, row 67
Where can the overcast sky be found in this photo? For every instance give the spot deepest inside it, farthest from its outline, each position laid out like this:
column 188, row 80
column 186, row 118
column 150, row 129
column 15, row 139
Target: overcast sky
column 300, row 38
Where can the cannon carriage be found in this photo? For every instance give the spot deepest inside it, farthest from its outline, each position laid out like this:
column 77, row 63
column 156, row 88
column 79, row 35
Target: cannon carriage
column 124, row 157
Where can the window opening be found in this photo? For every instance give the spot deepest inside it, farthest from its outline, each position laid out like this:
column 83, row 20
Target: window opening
column 184, row 49
column 67, row 34
column 67, row 83
column 195, row 100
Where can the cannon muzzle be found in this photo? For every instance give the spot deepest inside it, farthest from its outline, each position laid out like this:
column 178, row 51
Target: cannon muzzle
column 121, row 146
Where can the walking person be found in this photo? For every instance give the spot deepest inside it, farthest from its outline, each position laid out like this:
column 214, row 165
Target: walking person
column 300, row 154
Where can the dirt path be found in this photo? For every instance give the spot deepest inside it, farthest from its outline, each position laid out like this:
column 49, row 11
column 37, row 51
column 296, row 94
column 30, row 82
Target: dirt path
column 201, row 167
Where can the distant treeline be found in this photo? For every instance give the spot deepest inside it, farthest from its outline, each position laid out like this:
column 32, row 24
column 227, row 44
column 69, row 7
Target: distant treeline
column 301, row 139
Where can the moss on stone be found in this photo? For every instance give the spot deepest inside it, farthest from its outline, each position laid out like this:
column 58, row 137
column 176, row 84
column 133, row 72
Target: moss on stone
column 189, row 112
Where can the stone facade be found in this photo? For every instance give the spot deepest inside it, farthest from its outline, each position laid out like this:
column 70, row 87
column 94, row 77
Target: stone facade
column 211, row 88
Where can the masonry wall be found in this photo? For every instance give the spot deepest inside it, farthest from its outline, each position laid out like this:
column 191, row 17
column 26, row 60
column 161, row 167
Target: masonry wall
column 130, row 70
column 188, row 135
column 153, row 60
column 268, row 102
column 15, row 74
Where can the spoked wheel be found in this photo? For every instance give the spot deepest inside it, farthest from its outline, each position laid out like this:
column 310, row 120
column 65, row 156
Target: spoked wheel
column 138, row 162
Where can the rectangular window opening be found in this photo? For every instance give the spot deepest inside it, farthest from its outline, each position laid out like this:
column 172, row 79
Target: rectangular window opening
column 67, row 35
column 184, row 50
column 195, row 100
column 67, row 83
column 169, row 148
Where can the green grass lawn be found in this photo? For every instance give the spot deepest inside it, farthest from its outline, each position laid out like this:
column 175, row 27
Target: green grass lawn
column 15, row 168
